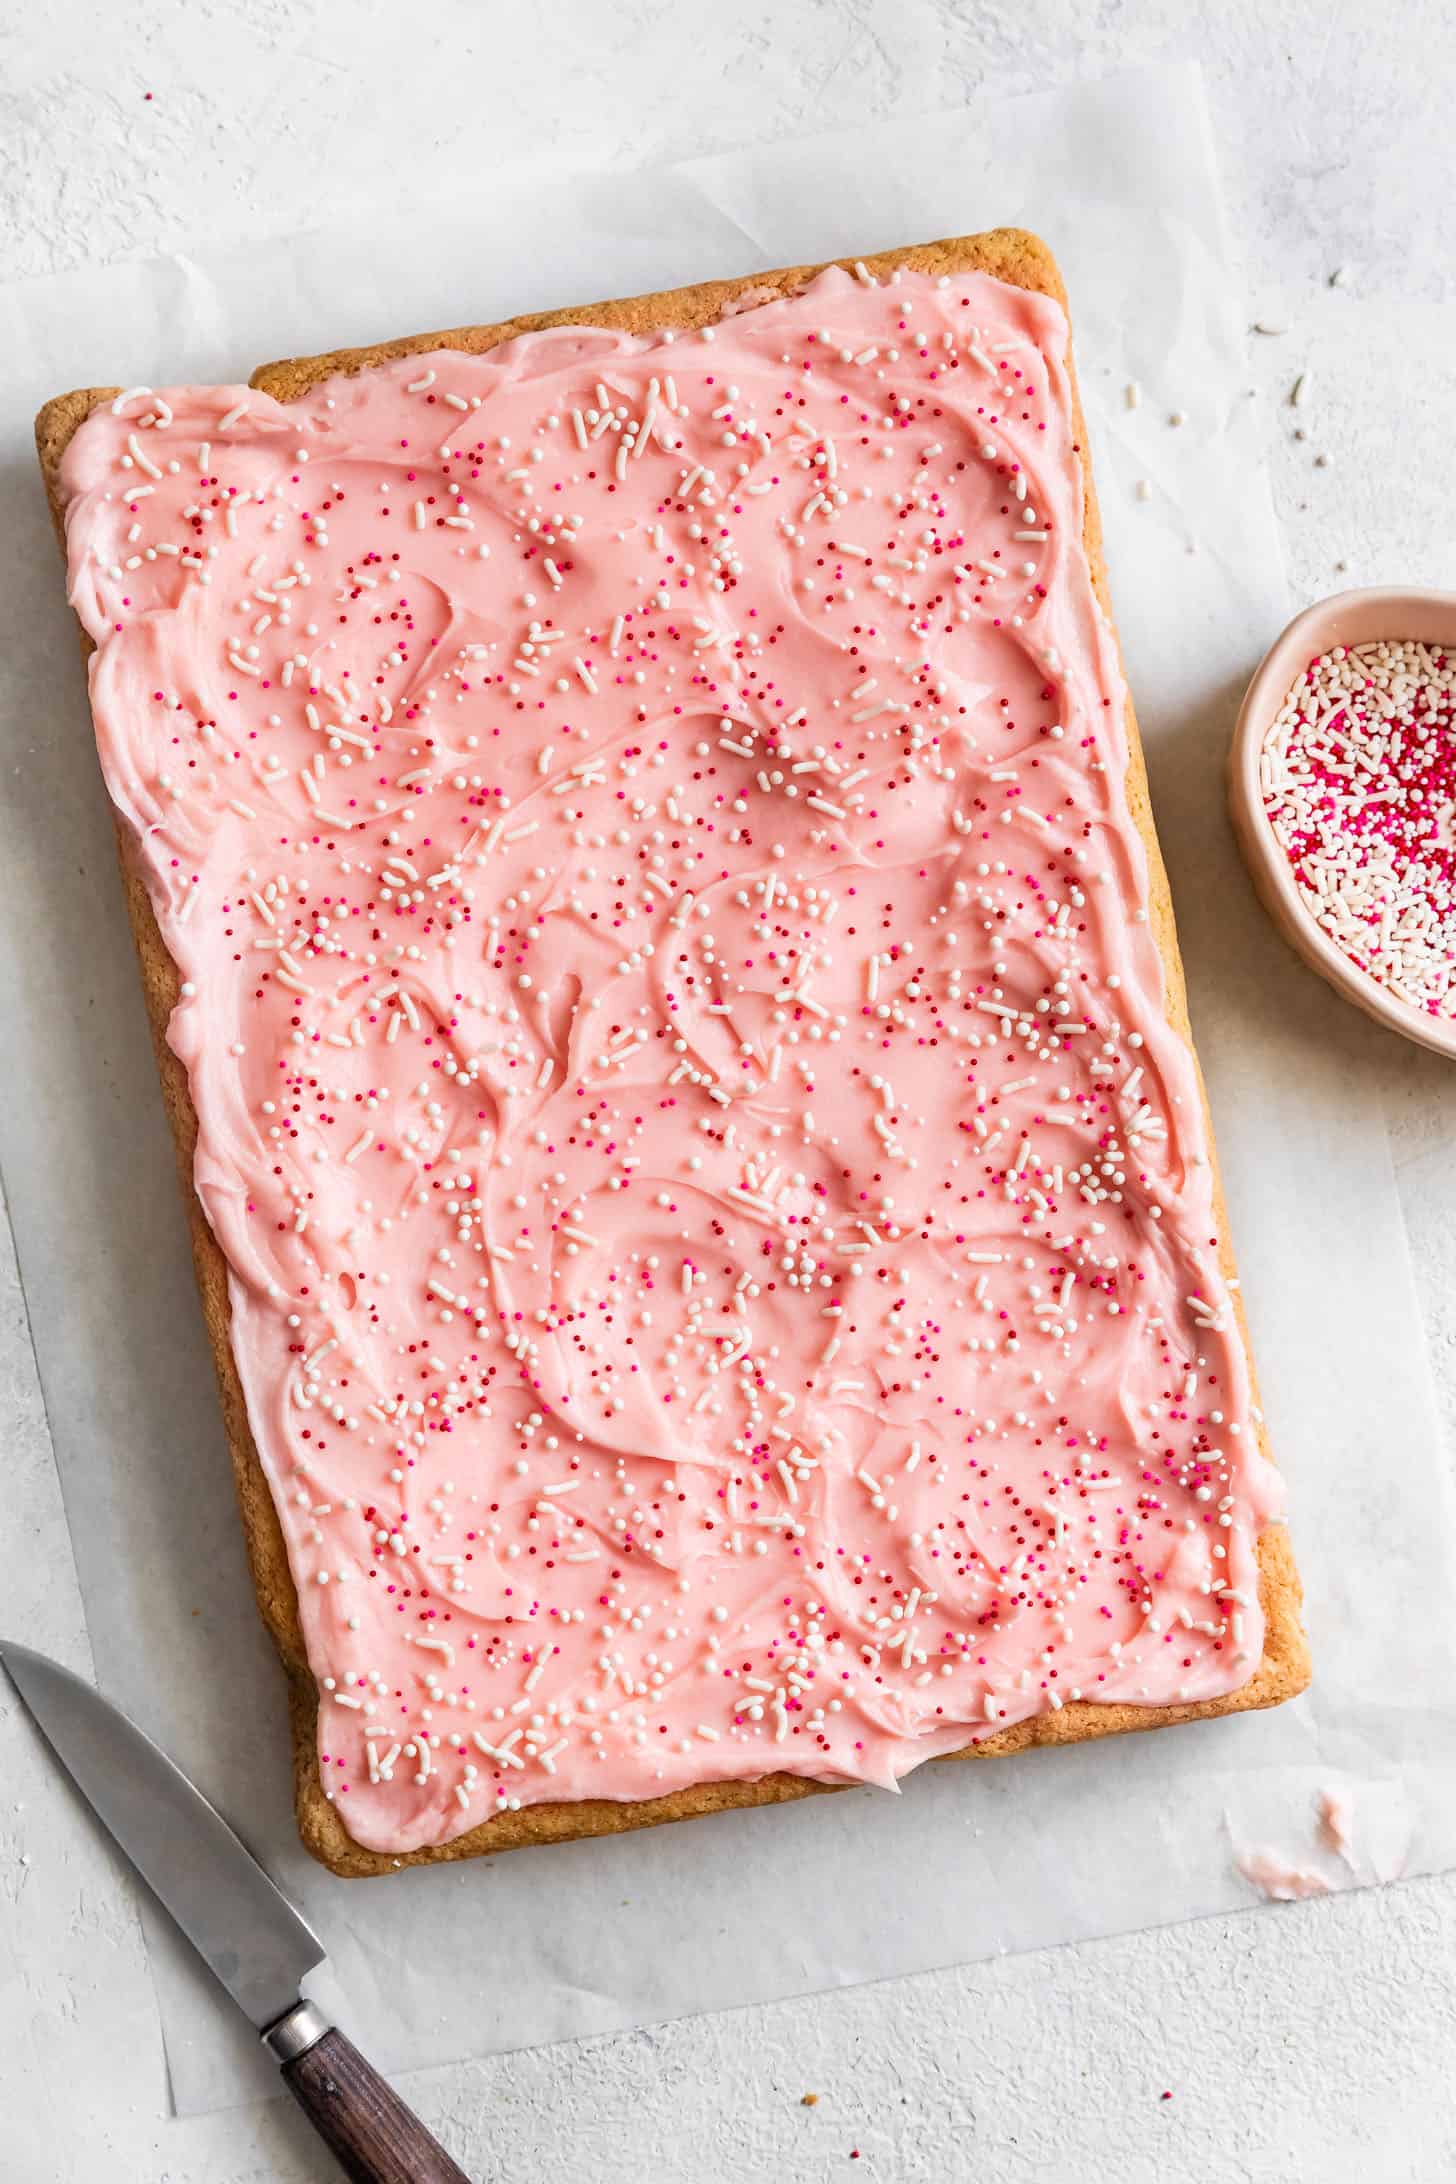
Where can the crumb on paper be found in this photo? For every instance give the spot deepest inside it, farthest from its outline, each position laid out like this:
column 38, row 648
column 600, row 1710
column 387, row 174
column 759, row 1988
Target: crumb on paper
column 1144, row 489
column 1299, row 392
column 1340, row 278
column 808, row 2100
column 1132, row 394
column 1277, row 1879
column 1335, row 1822
column 1270, row 326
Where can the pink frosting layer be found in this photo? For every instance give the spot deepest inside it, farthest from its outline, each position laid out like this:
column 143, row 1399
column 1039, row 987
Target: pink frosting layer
column 721, row 1233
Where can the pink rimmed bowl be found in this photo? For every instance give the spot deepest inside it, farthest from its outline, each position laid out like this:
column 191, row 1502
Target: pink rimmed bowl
column 1348, row 618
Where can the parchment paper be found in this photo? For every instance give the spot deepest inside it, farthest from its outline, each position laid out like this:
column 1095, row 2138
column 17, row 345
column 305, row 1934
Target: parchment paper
column 545, row 1945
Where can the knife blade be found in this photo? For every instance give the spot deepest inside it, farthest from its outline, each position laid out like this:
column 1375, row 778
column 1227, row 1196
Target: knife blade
column 245, row 1930
column 248, row 1935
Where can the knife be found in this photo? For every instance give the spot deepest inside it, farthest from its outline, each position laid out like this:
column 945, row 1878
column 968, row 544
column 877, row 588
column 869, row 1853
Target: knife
column 242, row 1928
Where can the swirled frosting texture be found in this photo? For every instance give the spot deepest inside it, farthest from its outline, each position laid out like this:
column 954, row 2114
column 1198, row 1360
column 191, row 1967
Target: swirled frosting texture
column 721, row 1231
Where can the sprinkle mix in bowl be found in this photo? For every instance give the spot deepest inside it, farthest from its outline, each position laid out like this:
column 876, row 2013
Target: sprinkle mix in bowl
column 1339, row 799
column 1358, row 779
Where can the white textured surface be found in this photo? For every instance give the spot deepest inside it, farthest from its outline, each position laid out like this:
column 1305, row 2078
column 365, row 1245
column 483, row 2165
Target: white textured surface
column 1305, row 2043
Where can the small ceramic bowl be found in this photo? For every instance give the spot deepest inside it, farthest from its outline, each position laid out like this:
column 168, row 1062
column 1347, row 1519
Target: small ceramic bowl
column 1348, row 618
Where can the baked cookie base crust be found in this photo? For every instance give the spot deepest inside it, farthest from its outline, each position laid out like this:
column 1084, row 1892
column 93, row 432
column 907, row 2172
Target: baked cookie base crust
column 1023, row 261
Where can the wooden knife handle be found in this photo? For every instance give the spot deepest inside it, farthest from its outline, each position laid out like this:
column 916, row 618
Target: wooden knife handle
column 363, row 2122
